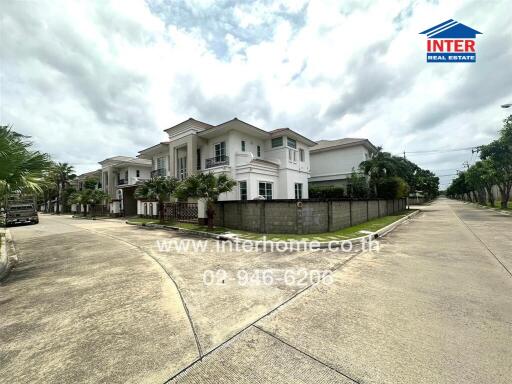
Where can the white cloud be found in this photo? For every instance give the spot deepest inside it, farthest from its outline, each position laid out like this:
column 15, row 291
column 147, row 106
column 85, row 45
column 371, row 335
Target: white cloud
column 92, row 79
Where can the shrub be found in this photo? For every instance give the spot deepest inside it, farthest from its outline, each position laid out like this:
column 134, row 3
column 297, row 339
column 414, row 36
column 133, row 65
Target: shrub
column 326, row 192
column 392, row 188
column 358, row 186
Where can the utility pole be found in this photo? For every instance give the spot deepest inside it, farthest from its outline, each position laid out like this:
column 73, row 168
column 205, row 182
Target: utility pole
column 404, row 154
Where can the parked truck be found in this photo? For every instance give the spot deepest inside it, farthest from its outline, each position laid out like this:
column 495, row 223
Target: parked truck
column 21, row 210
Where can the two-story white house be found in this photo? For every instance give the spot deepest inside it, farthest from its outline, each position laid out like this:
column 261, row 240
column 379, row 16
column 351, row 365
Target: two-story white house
column 120, row 175
column 332, row 161
column 265, row 164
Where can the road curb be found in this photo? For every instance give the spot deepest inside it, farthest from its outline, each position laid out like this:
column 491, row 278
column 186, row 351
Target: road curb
column 8, row 256
column 260, row 243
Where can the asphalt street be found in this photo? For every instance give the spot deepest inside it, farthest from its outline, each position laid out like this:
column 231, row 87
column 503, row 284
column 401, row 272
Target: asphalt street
column 98, row 301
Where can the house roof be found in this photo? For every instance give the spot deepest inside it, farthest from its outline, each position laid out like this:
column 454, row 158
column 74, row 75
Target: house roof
column 89, row 174
column 153, row 148
column 122, row 160
column 451, row 29
column 266, row 134
column 190, row 119
column 326, row 145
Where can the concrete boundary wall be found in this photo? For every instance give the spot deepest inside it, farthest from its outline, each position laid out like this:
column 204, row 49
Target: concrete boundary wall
column 301, row 217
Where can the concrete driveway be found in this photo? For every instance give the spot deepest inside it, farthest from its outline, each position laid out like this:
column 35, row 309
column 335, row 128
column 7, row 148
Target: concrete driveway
column 100, row 301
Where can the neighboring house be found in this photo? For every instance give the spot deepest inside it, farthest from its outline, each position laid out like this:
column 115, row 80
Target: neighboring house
column 79, row 182
column 265, row 164
column 120, row 175
column 332, row 161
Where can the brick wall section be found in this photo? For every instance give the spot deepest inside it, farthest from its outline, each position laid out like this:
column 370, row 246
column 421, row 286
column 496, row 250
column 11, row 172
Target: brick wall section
column 373, row 209
column 289, row 216
column 383, row 208
column 281, row 217
column 315, row 217
column 340, row 215
column 359, row 212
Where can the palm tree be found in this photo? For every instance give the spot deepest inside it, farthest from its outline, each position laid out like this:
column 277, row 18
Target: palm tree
column 63, row 173
column 21, row 169
column 206, row 186
column 379, row 166
column 157, row 189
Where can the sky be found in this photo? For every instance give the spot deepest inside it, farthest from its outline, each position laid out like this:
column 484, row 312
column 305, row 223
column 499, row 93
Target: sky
column 87, row 80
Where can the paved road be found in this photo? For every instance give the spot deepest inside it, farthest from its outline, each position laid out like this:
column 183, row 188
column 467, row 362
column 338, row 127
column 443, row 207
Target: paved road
column 433, row 306
column 98, row 302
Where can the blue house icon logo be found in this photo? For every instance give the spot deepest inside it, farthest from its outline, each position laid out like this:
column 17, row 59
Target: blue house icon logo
column 451, row 42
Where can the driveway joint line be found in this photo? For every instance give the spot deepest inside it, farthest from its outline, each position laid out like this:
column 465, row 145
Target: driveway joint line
column 305, row 353
column 481, row 241
column 338, row 266
column 185, row 307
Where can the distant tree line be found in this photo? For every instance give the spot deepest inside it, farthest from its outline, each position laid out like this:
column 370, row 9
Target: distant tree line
column 494, row 170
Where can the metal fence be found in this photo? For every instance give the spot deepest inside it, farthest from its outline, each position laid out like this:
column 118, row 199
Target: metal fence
column 183, row 212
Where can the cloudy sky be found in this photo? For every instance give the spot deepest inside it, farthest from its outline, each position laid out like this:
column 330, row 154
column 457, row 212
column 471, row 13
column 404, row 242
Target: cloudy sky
column 89, row 80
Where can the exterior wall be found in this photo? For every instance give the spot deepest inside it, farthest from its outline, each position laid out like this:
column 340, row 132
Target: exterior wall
column 336, row 164
column 283, row 174
column 290, row 216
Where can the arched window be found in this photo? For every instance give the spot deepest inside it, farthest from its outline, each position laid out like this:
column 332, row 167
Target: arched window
column 150, row 209
column 145, row 209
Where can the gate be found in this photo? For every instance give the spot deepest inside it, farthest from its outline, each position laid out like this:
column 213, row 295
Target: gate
column 184, row 212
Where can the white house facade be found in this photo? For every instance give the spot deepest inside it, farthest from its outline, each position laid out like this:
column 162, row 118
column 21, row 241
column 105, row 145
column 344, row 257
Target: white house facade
column 120, row 175
column 332, row 161
column 265, row 164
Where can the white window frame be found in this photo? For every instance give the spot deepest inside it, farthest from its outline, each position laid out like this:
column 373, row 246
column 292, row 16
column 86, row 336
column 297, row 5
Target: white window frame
column 258, row 150
column 302, row 155
column 271, row 189
column 222, row 154
column 246, row 189
column 243, row 145
column 299, row 195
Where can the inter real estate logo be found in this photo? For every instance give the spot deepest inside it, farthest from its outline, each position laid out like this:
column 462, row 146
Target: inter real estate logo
column 451, row 42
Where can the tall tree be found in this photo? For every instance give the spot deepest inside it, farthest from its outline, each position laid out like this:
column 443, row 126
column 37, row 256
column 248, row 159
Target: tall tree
column 157, row 189
column 499, row 152
column 21, row 168
column 63, row 173
column 206, row 186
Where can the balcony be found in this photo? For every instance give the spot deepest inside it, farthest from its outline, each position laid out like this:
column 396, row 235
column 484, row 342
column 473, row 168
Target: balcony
column 217, row 161
column 161, row 172
column 122, row 182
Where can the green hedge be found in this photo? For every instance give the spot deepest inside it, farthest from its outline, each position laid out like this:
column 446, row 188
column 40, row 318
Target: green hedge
column 326, row 192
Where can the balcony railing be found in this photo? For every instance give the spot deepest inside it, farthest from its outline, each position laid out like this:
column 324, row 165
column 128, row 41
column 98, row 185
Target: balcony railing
column 217, row 161
column 161, row 172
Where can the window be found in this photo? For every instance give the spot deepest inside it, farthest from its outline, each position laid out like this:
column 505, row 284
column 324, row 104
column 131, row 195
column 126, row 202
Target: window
column 277, row 142
column 298, row 191
column 137, row 173
column 126, row 175
column 182, row 167
column 243, row 190
column 160, row 163
column 292, row 155
column 243, row 145
column 198, row 155
column 265, row 190
column 220, row 151
column 291, row 143
column 258, row 151
column 302, row 155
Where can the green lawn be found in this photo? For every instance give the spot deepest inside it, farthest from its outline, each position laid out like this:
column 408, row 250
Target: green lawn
column 497, row 204
column 342, row 234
